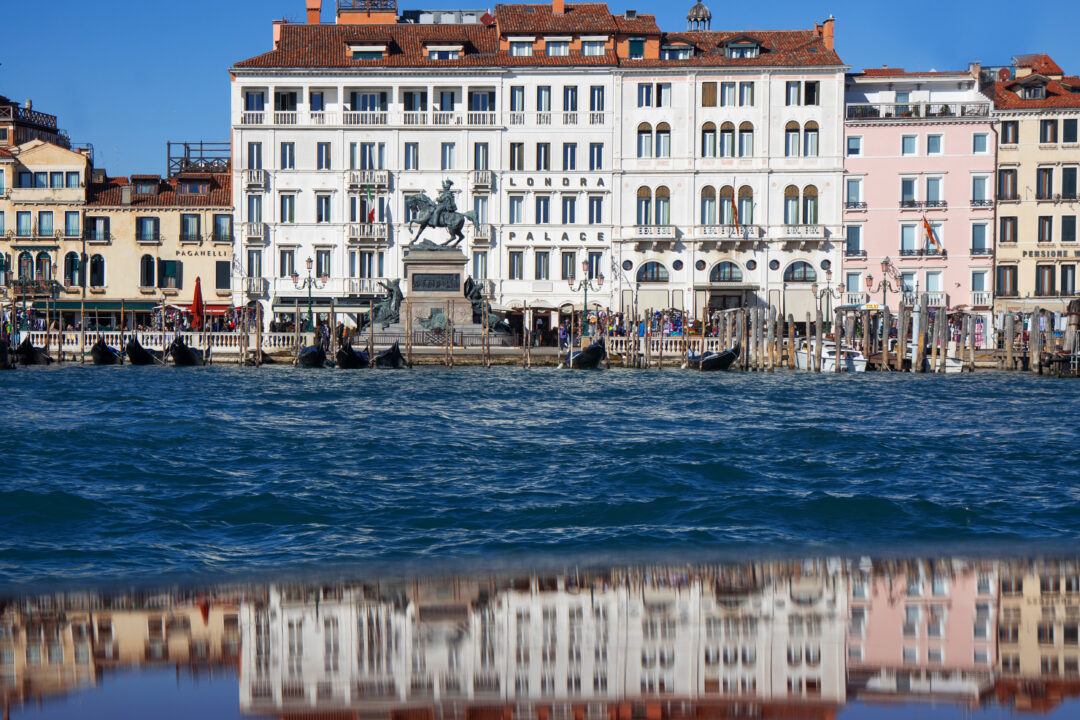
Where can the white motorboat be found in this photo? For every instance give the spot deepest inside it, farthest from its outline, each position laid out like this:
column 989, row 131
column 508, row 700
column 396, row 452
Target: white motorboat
column 952, row 365
column 851, row 360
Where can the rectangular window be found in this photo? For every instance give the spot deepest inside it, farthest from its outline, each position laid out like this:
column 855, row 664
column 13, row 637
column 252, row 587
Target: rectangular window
column 517, row 156
column 223, row 228
column 71, row 224
column 288, row 156
column 592, row 48
column 1068, row 228
column 56, row 180
column 978, row 239
column 596, row 156
column 254, row 263
column 569, row 99
column 23, row 224
column 1068, row 287
column 1044, row 287
column 596, row 99
column 72, row 179
column 1044, row 184
column 907, row 192
column 1048, row 131
column 1068, row 130
column 543, row 265
column 190, row 227
column 223, row 275
column 288, row 209
column 810, row 142
column 322, row 208
column 254, row 155
column 1006, row 281
column 517, row 209
column 543, row 210
column 520, row 49
column 636, row 48
column 322, row 156
column 978, row 281
column 1046, row 228
column 979, row 143
column 569, row 157
column 254, row 208
column 480, row 207
column 907, row 239
column 1068, row 183
column 543, row 98
column 543, row 156
column 596, row 210
column 933, row 191
column 517, row 99
column 854, row 146
column 854, row 241
column 322, row 263
column 1007, row 185
column 515, row 261
column 447, row 156
column 812, row 93
column 1007, row 232
column 644, row 94
column 854, row 192
column 557, row 49
column 479, row 258
column 569, row 209
column 1010, row 132
column 663, row 95
column 746, row 143
column 794, row 91
column 746, row 94
column 146, row 229
column 791, row 142
column 412, row 156
column 708, row 94
column 41, row 180
column 979, row 192
column 569, row 265
column 908, row 144
column 644, row 143
column 933, row 145
column 727, row 94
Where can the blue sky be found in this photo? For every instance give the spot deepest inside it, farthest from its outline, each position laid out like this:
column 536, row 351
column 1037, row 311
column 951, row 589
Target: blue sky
column 127, row 75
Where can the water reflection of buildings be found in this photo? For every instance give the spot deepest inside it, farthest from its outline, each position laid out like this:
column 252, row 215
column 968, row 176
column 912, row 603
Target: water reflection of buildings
column 55, row 645
column 753, row 640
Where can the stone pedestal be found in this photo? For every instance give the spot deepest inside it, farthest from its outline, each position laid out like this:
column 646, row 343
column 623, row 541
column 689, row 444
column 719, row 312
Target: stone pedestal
column 435, row 280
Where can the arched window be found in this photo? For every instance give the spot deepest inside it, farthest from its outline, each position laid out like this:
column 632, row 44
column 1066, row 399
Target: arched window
column 44, row 266
column 663, row 206
column 71, row 269
column 725, row 272
column 746, row 205
column 708, row 140
column 791, row 205
column 800, row 271
column 746, row 139
column 97, row 271
column 791, row 139
column 663, row 140
column 727, row 140
column 146, row 272
column 5, row 267
column 652, row 272
column 26, row 266
column 810, row 205
column 644, row 206
column 644, row 140
column 727, row 199
column 708, row 205
column 810, row 139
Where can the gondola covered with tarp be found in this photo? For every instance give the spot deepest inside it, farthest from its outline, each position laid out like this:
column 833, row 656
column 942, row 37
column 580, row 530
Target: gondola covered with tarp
column 138, row 355
column 7, row 357
column 313, row 356
column 103, row 354
column 184, row 356
column 350, row 359
column 27, row 354
column 587, row 359
column 391, row 358
column 712, row 361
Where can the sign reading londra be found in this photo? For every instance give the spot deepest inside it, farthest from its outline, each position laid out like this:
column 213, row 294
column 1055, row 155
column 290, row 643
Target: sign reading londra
column 436, row 282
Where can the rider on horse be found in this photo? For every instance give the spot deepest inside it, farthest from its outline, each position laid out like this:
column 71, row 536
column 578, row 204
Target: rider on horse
column 444, row 204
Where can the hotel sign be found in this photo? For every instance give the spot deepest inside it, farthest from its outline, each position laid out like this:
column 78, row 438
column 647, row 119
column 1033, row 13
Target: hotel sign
column 202, row 253
column 583, row 237
column 1050, row 253
column 565, row 181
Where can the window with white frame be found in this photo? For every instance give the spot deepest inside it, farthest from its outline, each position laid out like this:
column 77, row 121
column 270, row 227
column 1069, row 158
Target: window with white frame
column 908, row 144
column 521, row 48
column 934, row 144
column 558, row 48
column 854, row 145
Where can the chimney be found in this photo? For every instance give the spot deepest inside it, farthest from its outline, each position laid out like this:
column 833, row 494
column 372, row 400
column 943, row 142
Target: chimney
column 558, row 7
column 278, row 24
column 125, row 195
column 827, row 32
column 314, row 12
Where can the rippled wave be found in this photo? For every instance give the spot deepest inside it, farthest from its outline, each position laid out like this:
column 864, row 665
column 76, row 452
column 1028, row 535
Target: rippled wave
column 147, row 472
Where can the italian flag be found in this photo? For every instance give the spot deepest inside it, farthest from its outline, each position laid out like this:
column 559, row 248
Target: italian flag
column 371, row 205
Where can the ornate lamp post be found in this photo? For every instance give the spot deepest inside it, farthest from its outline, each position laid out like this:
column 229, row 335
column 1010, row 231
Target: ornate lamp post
column 888, row 272
column 308, row 283
column 585, row 285
column 827, row 293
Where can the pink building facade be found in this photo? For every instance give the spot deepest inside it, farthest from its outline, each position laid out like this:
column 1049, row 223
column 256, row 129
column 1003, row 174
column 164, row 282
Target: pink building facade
column 920, row 150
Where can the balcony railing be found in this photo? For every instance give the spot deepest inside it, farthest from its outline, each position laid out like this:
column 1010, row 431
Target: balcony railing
column 936, row 205
column 253, row 117
column 981, row 251
column 367, row 231
column 484, row 233
column 190, row 237
column 10, row 112
column 803, row 232
column 981, row 298
column 223, row 237
column 366, row 118
column 254, row 177
column 285, row 117
column 920, row 252
column 933, row 298
column 365, row 178
column 1008, row 196
column 481, row 118
column 854, row 205
column 728, row 231
column 254, row 230
column 481, row 178
column 100, row 236
column 982, row 202
column 655, row 231
column 855, row 298
column 910, row 204
column 255, row 285
column 854, row 253
column 363, row 286
column 871, row 112
column 148, row 237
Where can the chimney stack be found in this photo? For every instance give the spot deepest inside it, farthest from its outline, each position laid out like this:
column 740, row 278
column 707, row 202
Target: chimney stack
column 314, row 12
column 827, row 32
column 558, row 7
column 125, row 195
column 277, row 32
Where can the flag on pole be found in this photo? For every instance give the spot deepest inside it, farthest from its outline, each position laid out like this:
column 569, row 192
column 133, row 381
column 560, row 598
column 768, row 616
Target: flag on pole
column 931, row 235
column 371, row 205
column 735, row 213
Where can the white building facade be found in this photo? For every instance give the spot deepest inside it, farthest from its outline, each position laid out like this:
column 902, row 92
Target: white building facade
column 691, row 170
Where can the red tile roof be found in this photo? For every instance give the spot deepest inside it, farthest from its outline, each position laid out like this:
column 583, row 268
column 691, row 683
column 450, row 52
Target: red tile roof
column 326, row 46
column 1063, row 93
column 108, row 194
column 901, row 72
column 1040, row 63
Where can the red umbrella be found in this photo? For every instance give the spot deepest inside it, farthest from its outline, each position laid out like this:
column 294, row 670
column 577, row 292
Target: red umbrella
column 197, row 306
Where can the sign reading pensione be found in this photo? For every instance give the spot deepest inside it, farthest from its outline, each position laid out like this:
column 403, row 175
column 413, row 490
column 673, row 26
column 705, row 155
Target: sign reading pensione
column 436, row 282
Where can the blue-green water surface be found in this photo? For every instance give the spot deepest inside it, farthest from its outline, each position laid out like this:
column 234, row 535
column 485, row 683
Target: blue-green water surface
column 127, row 472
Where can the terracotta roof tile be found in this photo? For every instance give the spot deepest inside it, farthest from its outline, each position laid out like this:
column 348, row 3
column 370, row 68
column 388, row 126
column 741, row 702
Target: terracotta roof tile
column 1040, row 63
column 108, row 194
column 901, row 72
column 1063, row 93
column 578, row 18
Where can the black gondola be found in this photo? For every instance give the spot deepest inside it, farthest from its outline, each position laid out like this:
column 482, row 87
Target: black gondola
column 264, row 360
column 102, row 354
column 184, row 356
column 350, row 359
column 138, row 355
column 391, row 358
column 27, row 354
column 589, row 358
column 7, row 358
column 714, row 360
column 312, row 357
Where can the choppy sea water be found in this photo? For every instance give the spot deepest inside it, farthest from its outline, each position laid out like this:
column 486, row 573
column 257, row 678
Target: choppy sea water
column 146, row 473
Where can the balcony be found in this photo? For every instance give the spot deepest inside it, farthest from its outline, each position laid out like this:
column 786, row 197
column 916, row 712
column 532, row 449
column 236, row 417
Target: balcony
column 286, row 117
column 933, row 299
column 981, row 251
column 363, row 286
column 253, row 117
column 187, row 237
column 1008, row 197
column 855, row 298
column 223, row 237
column 890, row 112
column 854, row 253
column 484, row 234
column 97, row 236
column 854, row 205
column 936, row 205
column 379, row 179
column 981, row 298
column 802, row 232
column 910, row 204
column 150, row 238
column 444, row 118
column 654, row 232
column 254, row 178
column 481, row 179
column 982, row 203
column 256, row 286
column 359, row 118
column 254, row 231
column 728, row 232
column 367, row 232
column 481, row 119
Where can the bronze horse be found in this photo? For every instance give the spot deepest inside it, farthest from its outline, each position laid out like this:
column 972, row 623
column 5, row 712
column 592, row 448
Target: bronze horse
column 422, row 210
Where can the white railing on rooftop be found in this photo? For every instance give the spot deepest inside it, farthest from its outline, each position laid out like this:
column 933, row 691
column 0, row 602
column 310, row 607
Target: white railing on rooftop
column 917, row 110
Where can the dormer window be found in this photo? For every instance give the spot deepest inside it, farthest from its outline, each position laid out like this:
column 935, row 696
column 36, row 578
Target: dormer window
column 521, row 48
column 592, row 48
column 558, row 48
column 145, row 188
column 191, row 187
column 636, row 48
column 1033, row 92
column 367, row 52
column 676, row 52
column 444, row 52
column 743, row 50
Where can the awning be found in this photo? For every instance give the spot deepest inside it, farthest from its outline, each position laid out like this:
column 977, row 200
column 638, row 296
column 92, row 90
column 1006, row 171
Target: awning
column 347, row 308
column 99, row 305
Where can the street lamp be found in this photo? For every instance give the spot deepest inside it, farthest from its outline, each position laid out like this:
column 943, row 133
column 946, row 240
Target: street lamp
column 585, row 284
column 826, row 292
column 308, row 283
column 888, row 272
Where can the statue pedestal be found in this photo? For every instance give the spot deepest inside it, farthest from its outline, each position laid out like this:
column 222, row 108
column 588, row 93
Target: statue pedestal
column 435, row 280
